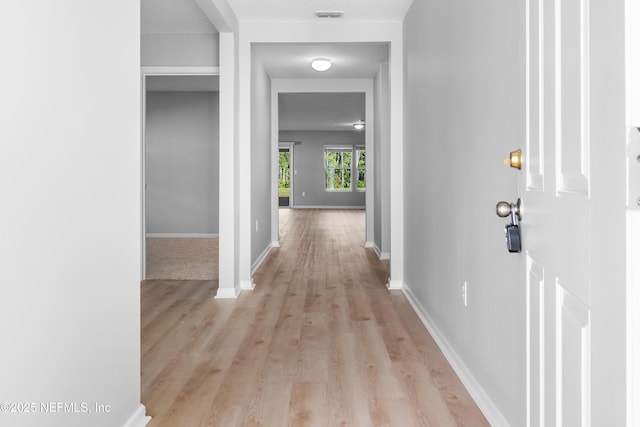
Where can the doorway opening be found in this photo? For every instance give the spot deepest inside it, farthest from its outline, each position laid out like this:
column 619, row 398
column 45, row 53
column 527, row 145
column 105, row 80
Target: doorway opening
column 180, row 184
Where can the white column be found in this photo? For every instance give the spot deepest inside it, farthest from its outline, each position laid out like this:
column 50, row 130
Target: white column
column 244, row 164
column 396, row 165
column 227, row 247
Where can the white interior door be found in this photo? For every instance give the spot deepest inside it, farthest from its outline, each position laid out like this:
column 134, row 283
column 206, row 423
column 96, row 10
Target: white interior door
column 575, row 107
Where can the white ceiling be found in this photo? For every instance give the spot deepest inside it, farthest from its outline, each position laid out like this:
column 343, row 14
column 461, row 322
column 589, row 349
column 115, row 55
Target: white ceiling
column 350, row 60
column 173, row 16
column 304, row 10
column 291, row 60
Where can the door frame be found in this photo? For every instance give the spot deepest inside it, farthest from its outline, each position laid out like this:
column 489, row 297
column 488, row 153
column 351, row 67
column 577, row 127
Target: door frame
column 145, row 72
column 288, row 145
column 632, row 36
column 323, row 86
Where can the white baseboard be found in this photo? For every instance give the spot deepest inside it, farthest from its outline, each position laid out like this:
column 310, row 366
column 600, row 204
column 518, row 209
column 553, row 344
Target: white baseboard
column 475, row 389
column 261, row 259
column 228, row 293
column 275, row 244
column 182, row 235
column 326, row 207
column 368, row 244
column 395, row 285
column 138, row 419
column 247, row 285
column 381, row 255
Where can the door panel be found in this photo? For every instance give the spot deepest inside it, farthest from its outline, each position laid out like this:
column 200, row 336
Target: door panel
column 573, row 354
column 535, row 342
column 549, row 353
column 534, row 167
column 572, row 95
column 555, row 227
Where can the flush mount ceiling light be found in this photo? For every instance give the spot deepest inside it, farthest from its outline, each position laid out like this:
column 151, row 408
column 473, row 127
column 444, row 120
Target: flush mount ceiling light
column 359, row 125
column 331, row 14
column 321, row 64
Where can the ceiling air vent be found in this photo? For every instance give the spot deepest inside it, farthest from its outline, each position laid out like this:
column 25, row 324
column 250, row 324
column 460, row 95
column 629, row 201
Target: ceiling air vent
column 329, row 14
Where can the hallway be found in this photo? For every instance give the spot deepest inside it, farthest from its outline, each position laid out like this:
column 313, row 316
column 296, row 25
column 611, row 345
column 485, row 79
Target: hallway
column 319, row 342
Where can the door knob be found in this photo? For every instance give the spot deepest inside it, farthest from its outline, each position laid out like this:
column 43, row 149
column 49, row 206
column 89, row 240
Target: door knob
column 512, row 230
column 504, row 209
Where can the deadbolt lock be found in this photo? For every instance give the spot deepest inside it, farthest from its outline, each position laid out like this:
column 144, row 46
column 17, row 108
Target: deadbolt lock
column 515, row 159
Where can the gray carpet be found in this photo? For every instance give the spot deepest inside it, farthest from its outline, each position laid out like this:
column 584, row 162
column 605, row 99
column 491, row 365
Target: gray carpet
column 182, row 258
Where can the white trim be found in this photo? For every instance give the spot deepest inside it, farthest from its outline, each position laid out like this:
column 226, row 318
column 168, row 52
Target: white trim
column 143, row 175
column 632, row 14
column 138, row 419
column 368, row 244
column 261, row 259
column 326, row 207
column 376, row 249
column 247, row 285
column 182, row 235
column 381, row 255
column 633, row 317
column 347, row 147
column 275, row 244
column 179, row 71
column 229, row 293
column 395, row 285
column 494, row 416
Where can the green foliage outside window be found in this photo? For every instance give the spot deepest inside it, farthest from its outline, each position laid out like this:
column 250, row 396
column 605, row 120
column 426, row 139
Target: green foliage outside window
column 362, row 182
column 340, row 164
column 284, row 177
column 337, row 170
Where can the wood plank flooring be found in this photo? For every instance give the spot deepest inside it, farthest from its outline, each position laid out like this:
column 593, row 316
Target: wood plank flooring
column 319, row 342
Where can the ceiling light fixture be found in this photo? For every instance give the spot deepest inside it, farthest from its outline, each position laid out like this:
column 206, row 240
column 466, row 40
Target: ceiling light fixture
column 321, row 64
column 329, row 14
column 359, row 125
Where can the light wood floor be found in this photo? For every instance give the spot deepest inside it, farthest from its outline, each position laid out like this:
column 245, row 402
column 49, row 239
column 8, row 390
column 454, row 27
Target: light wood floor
column 319, row 342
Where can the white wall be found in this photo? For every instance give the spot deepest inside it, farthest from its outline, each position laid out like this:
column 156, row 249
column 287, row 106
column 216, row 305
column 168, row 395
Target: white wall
column 309, row 167
column 182, row 139
column 180, row 49
column 260, row 161
column 70, row 210
column 381, row 145
column 464, row 112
